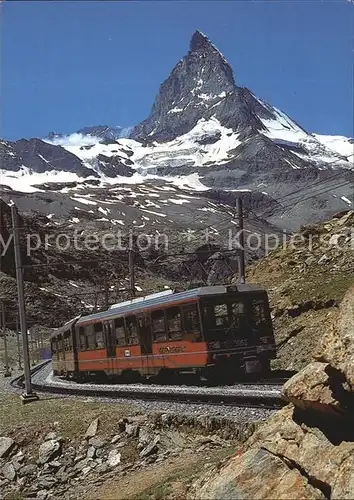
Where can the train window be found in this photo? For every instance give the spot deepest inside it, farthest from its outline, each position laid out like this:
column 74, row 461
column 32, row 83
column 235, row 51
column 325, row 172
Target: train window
column 98, row 329
column 238, row 308
column 120, row 331
column 216, row 315
column 66, row 341
column 132, row 330
column 174, row 323
column 82, row 342
column 158, row 325
column 238, row 315
column 90, row 338
column 259, row 313
column 191, row 318
column 221, row 315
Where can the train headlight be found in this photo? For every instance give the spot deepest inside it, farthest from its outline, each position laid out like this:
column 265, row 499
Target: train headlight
column 264, row 340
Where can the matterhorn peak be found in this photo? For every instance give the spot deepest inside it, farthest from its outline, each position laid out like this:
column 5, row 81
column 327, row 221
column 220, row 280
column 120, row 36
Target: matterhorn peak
column 200, row 41
column 200, row 86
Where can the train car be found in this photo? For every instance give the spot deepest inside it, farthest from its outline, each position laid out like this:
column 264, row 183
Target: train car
column 213, row 331
column 64, row 349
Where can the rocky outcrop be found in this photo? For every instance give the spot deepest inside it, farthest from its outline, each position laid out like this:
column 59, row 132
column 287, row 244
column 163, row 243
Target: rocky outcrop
column 328, row 383
column 49, row 450
column 237, row 480
column 6, row 446
column 337, row 346
column 306, row 450
column 113, row 166
column 92, row 429
column 315, row 387
column 39, row 156
column 47, row 466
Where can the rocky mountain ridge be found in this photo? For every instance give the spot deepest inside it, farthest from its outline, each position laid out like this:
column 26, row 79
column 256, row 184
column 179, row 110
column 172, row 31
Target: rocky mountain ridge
column 205, row 133
column 101, row 132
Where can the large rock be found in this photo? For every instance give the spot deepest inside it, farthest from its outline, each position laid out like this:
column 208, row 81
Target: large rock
column 145, row 436
column 28, row 470
column 92, row 429
column 286, row 457
column 48, row 451
column 114, row 458
column 97, row 442
column 254, row 475
column 6, row 446
column 337, row 346
column 313, row 387
column 132, row 430
column 151, row 448
column 9, row 471
column 321, row 454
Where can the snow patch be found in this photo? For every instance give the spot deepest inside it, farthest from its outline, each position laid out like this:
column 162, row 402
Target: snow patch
column 344, row 198
column 84, row 201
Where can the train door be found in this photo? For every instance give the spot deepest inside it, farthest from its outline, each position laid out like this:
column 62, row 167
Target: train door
column 110, row 341
column 75, row 348
column 145, row 340
column 145, row 335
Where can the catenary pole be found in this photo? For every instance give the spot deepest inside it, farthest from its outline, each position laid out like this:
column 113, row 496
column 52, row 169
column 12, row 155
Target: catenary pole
column 241, row 254
column 18, row 344
column 28, row 395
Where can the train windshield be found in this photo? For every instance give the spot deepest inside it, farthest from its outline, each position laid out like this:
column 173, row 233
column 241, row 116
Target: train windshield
column 233, row 319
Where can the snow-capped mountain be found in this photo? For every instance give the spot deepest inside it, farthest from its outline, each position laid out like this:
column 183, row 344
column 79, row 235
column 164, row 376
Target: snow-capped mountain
column 203, row 133
column 102, row 132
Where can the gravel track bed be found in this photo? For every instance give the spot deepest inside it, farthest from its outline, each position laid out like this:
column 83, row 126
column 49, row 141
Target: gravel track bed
column 5, row 382
column 45, row 376
column 237, row 414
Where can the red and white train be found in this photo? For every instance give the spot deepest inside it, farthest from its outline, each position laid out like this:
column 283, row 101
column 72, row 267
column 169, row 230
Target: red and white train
column 213, row 331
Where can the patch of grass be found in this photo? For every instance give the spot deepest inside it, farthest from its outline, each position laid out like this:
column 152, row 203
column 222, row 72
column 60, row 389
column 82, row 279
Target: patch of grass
column 69, row 417
column 320, row 285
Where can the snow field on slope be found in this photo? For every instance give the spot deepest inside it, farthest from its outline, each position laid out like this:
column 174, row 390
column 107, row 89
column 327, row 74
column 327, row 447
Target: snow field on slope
column 185, row 148
column 337, row 143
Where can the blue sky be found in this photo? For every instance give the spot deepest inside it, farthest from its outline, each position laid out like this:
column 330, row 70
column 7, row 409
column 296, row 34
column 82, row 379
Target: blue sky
column 65, row 65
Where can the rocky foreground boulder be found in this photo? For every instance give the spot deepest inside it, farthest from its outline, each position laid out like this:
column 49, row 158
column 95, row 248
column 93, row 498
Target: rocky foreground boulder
column 306, row 450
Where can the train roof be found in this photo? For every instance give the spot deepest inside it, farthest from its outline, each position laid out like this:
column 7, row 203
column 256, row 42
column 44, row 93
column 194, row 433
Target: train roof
column 63, row 328
column 169, row 297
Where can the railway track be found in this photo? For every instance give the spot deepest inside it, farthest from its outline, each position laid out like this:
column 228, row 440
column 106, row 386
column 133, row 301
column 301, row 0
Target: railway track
column 265, row 395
